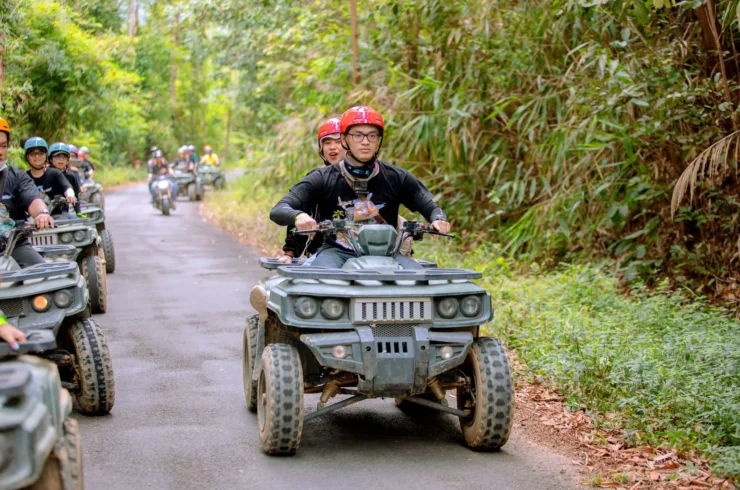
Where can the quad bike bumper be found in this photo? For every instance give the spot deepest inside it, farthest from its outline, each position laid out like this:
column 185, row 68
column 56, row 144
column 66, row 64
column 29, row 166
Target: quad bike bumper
column 391, row 361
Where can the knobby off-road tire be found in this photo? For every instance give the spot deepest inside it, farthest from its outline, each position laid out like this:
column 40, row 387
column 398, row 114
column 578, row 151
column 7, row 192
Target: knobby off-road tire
column 93, row 269
column 166, row 205
column 280, row 399
column 98, row 199
column 97, row 389
column 191, row 192
column 250, row 345
column 74, row 454
column 489, row 426
column 109, row 251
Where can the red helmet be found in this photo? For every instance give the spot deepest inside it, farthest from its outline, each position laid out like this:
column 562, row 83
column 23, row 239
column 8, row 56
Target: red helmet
column 361, row 115
column 330, row 126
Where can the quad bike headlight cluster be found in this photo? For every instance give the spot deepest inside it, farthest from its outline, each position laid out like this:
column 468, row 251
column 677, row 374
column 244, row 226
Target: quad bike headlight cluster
column 449, row 308
column 62, row 299
column 66, row 237
column 80, row 235
column 470, row 306
column 307, row 307
column 41, row 303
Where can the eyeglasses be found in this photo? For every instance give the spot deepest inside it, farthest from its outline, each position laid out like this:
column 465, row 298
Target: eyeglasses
column 358, row 137
column 36, row 153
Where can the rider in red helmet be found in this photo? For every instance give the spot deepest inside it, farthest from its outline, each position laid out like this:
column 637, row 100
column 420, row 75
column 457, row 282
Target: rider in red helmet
column 331, row 152
column 360, row 177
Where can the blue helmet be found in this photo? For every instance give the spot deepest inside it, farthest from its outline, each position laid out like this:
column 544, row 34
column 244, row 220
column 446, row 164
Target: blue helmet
column 84, row 149
column 35, row 142
column 58, row 148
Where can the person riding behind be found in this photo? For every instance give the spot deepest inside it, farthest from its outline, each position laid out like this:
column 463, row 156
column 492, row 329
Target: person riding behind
column 160, row 168
column 87, row 168
column 192, row 157
column 20, row 195
column 209, row 158
column 59, row 158
column 74, row 162
column 331, row 152
column 359, row 182
column 50, row 181
column 181, row 163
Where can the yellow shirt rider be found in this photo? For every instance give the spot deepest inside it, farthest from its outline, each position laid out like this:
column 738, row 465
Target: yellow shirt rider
column 209, row 158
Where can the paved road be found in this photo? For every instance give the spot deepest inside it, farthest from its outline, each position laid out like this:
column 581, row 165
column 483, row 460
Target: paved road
column 176, row 311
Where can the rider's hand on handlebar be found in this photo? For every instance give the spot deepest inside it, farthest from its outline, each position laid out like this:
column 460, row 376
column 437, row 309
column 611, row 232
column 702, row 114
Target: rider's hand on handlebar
column 43, row 221
column 305, row 222
column 11, row 335
column 285, row 259
column 440, row 226
column 72, row 200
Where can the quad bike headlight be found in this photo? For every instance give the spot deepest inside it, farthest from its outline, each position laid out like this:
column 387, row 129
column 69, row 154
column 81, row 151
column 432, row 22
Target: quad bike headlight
column 448, row 307
column 306, row 307
column 65, row 237
column 333, row 309
column 470, row 306
column 62, row 299
column 41, row 303
column 163, row 184
column 79, row 235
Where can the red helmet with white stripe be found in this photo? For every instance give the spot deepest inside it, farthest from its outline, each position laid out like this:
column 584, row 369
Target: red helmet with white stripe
column 361, row 115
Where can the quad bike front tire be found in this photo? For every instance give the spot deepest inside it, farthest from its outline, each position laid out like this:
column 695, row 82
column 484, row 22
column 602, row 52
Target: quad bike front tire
column 490, row 397
column 109, row 251
column 96, row 392
column 250, row 345
column 165, row 205
column 93, row 269
column 191, row 192
column 280, row 400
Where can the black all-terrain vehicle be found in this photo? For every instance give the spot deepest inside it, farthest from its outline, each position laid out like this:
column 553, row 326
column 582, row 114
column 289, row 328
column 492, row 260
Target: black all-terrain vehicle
column 212, row 176
column 40, row 441
column 90, row 256
column 189, row 185
column 50, row 301
column 373, row 330
column 93, row 193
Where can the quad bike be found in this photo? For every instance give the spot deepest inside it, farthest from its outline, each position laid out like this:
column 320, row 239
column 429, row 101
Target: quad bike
column 93, row 193
column 164, row 199
column 95, row 215
column 50, row 301
column 90, row 256
column 40, row 442
column 189, row 184
column 373, row 330
column 212, row 176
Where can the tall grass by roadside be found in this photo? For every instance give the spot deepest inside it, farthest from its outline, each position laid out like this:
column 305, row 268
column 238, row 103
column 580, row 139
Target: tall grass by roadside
column 664, row 367
column 115, row 175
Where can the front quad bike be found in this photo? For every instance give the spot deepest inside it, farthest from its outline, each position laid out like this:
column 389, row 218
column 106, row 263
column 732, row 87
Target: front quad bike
column 50, row 301
column 95, row 215
column 212, row 176
column 40, row 441
column 189, row 185
column 164, row 199
column 372, row 329
column 90, row 254
column 93, row 193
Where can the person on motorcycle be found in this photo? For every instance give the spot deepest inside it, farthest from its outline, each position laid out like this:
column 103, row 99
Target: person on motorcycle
column 357, row 178
column 209, row 158
column 87, row 168
column 157, row 168
column 50, row 181
column 20, row 195
column 59, row 157
column 331, row 152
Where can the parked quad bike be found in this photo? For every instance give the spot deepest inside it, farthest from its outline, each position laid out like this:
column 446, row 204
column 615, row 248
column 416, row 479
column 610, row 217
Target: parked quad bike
column 90, row 256
column 212, row 176
column 50, row 303
column 372, row 329
column 164, row 199
column 189, row 185
column 40, row 442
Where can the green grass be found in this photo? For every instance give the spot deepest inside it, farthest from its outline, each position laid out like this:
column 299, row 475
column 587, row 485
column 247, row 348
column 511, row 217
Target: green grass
column 665, row 367
column 112, row 176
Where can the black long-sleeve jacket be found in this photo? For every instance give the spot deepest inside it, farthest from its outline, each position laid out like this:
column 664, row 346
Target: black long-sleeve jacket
column 324, row 188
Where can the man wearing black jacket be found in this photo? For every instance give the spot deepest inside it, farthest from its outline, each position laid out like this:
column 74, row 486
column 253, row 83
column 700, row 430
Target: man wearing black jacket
column 359, row 176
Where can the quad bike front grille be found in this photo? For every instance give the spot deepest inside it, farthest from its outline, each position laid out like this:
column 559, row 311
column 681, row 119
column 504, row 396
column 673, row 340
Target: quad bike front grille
column 12, row 307
column 379, row 310
column 394, row 330
column 43, row 240
column 390, row 348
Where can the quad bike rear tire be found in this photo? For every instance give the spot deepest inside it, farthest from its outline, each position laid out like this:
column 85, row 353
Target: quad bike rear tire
column 96, row 392
column 489, row 398
column 251, row 330
column 109, row 251
column 280, row 400
column 93, row 269
column 191, row 192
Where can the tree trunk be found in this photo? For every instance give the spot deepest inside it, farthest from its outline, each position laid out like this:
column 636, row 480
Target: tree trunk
column 173, row 66
column 132, row 18
column 2, row 62
column 355, row 48
column 228, row 135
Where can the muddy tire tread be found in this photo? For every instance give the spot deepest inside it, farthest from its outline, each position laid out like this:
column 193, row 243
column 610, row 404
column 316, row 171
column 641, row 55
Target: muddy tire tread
column 109, row 251
column 93, row 270
column 251, row 330
column 97, row 392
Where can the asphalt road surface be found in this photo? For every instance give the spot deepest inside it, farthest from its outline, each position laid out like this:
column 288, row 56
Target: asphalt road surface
column 177, row 305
